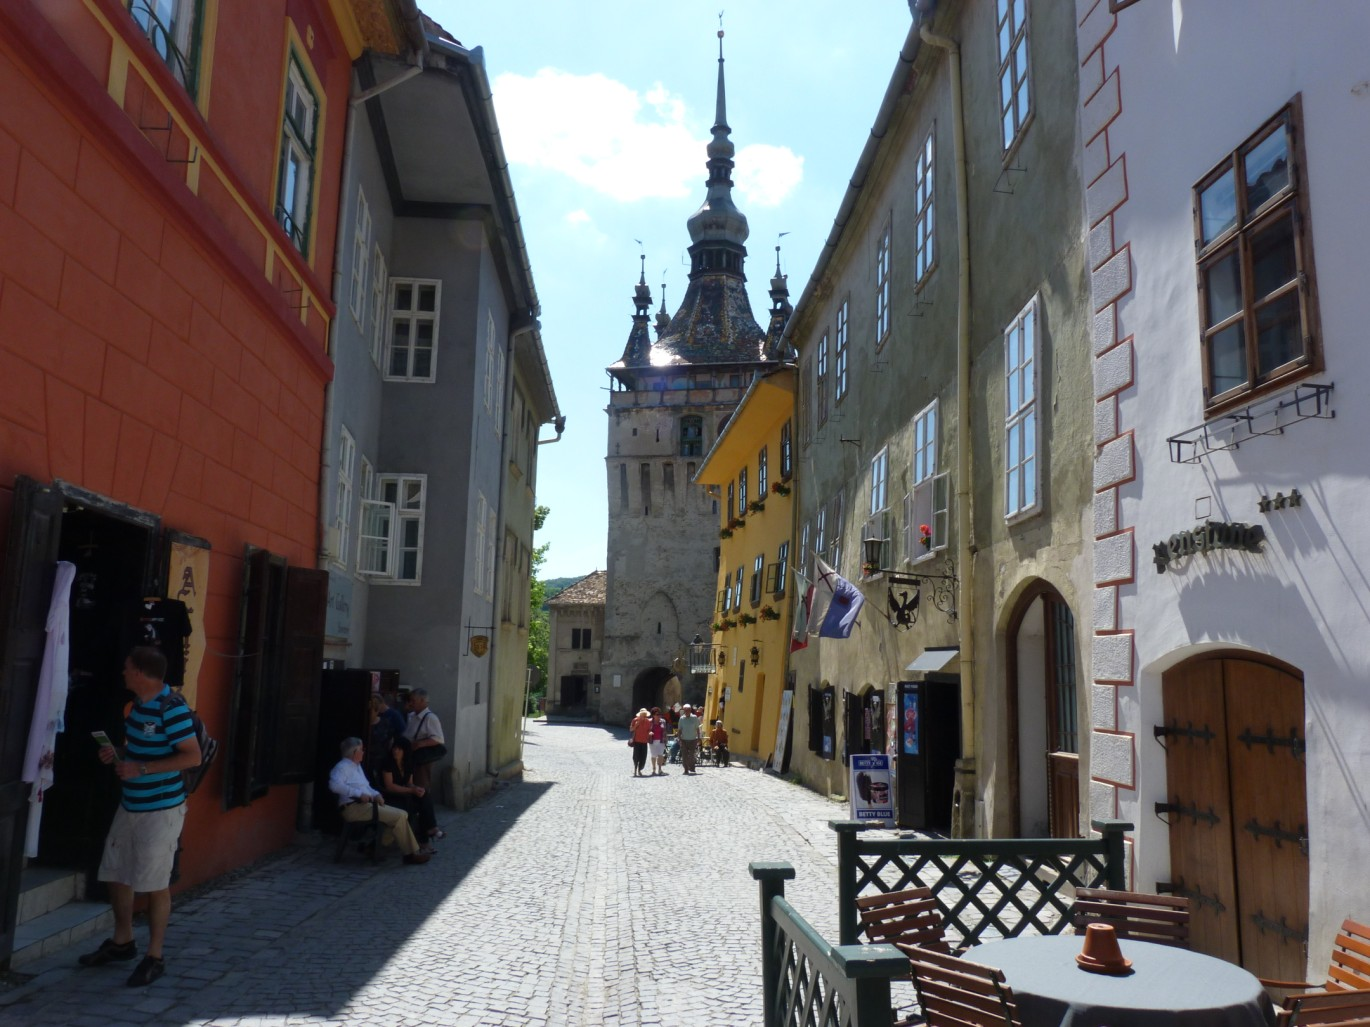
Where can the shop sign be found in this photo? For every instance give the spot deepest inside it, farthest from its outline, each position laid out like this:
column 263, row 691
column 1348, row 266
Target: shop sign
column 480, row 645
column 1205, row 538
column 869, row 790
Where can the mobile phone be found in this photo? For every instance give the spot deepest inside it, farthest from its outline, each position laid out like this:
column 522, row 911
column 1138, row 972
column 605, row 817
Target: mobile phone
column 101, row 739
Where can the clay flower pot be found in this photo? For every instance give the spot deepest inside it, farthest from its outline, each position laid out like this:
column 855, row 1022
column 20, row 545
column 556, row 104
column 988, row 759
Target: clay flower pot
column 1101, row 953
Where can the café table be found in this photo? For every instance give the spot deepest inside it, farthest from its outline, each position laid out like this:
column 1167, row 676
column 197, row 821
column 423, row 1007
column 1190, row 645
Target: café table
column 1166, row 986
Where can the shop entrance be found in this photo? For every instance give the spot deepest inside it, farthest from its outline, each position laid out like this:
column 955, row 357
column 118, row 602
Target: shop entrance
column 1237, row 809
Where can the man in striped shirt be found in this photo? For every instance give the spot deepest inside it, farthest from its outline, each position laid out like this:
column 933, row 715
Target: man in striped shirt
column 159, row 743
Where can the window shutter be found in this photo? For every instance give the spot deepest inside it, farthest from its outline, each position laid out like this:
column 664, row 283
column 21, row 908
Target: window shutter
column 941, row 506
column 910, row 533
column 922, row 514
column 376, row 538
column 297, row 714
column 772, row 576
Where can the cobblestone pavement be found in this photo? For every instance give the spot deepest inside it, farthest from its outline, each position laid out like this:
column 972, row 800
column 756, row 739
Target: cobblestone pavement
column 581, row 896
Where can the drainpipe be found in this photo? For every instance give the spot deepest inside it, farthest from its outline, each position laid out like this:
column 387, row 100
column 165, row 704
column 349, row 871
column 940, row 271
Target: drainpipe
column 965, row 791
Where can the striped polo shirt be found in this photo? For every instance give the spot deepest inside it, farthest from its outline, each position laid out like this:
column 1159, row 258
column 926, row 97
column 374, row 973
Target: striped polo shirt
column 150, row 735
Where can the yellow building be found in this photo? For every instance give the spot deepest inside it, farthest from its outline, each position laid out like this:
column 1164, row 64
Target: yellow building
column 750, row 468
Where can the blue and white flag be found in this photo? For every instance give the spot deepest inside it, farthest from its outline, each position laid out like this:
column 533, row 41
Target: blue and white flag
column 843, row 606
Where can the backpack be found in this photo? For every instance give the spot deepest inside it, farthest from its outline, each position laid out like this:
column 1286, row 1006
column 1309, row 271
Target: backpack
column 209, row 748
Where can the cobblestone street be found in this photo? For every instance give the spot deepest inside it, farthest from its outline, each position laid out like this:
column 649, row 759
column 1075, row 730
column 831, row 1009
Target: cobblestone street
column 581, row 896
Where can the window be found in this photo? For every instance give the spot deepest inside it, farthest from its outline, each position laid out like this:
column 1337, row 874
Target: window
column 821, row 379
column 392, row 529
column 1014, row 103
column 924, row 252
column 926, row 506
column 668, row 477
column 361, row 254
column 882, row 286
column 580, row 638
column 478, row 577
column 782, row 568
column 379, row 281
column 742, row 492
column 880, row 474
column 174, row 31
column 841, row 369
column 692, row 436
column 1020, row 428
column 342, row 501
column 732, row 509
column 368, row 490
column 725, row 597
column 1254, row 250
column 413, row 330
column 295, row 172
column 762, row 472
column 737, row 592
column 786, row 451
column 644, row 472
column 820, row 531
column 836, row 512
column 758, row 575
column 494, row 371
column 806, row 407
column 804, row 551
column 623, row 486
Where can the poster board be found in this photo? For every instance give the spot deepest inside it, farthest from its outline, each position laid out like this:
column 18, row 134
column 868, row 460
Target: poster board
column 869, row 790
column 782, row 733
column 188, row 581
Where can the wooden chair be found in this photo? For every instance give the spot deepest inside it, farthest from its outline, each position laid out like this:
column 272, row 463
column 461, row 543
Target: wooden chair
column 909, row 917
column 365, row 833
column 1163, row 919
column 955, row 992
column 1349, row 966
column 1325, row 1008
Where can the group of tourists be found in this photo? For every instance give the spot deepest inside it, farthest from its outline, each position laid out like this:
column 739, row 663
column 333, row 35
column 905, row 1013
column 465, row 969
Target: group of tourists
column 651, row 730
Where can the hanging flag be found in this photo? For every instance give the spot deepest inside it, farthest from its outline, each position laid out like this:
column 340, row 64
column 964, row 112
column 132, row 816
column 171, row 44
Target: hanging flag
column 842, row 608
column 803, row 611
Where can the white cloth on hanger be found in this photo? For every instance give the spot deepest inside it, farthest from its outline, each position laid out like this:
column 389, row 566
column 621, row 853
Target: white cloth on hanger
column 50, row 704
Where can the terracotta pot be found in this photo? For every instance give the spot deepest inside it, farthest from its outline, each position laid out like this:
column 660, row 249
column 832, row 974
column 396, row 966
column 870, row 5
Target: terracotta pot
column 1101, row 952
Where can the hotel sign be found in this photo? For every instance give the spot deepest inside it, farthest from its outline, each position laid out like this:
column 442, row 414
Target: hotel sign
column 1205, row 538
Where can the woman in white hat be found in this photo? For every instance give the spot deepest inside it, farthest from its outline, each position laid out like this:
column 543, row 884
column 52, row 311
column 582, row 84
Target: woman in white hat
column 640, row 731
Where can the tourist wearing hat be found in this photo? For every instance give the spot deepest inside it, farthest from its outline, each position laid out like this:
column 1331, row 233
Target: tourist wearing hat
column 641, row 732
column 689, row 737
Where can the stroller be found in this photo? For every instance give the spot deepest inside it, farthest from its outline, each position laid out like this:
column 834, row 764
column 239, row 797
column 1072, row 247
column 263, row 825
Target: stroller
column 673, row 750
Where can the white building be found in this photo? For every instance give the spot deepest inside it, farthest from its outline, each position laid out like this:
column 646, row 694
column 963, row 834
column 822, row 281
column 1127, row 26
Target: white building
column 1224, row 156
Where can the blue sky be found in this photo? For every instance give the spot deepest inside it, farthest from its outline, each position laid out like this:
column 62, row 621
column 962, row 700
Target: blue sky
column 605, row 109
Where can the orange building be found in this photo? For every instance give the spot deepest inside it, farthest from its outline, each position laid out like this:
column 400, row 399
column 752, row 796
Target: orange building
column 169, row 177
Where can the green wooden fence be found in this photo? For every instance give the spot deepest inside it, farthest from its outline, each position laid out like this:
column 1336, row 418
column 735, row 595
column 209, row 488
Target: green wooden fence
column 986, row 887
column 808, row 983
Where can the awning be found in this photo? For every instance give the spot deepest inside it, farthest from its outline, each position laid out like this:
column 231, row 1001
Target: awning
column 930, row 661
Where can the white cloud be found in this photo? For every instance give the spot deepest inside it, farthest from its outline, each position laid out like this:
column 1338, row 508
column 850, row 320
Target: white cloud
column 578, row 217
column 766, row 175
column 625, row 144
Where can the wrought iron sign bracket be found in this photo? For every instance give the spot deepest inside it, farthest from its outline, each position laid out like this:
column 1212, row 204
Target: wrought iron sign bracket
column 1268, row 416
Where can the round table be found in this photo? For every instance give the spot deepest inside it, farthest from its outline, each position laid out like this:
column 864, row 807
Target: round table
column 1167, row 985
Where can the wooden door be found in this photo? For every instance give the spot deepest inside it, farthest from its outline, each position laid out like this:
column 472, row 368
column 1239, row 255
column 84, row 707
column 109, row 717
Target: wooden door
column 25, row 596
column 1237, row 810
column 297, row 721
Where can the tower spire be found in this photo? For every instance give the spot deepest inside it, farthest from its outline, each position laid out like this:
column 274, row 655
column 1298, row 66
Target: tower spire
column 718, row 229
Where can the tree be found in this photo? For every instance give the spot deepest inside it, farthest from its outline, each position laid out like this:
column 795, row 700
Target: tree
column 538, row 633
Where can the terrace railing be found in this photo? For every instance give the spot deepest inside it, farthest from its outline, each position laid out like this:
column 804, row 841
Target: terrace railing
column 986, row 887
column 808, row 983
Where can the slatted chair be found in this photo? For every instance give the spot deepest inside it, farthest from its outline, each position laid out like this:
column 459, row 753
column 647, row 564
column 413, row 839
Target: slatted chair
column 366, row 834
column 1326, row 1009
column 1349, row 966
column 909, row 917
column 955, row 992
column 1163, row 919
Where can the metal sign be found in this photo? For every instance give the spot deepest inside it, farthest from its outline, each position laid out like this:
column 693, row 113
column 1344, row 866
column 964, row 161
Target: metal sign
column 480, row 645
column 869, row 791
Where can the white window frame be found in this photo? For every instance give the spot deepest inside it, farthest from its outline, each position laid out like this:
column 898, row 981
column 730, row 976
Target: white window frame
column 412, row 317
column 368, row 480
column 842, row 352
column 494, row 371
column 758, row 578
column 380, row 281
column 361, row 255
column 737, row 591
column 880, row 481
column 1015, row 79
column 295, row 166
column 882, row 287
column 762, row 472
column 478, row 572
column 820, row 379
column 1022, row 425
column 491, row 530
column 375, row 539
column 835, row 525
column 342, row 494
column 924, row 192
column 408, row 507
column 925, row 443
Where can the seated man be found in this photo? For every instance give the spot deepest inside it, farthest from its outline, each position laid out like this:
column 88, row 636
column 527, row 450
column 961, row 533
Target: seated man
column 356, row 798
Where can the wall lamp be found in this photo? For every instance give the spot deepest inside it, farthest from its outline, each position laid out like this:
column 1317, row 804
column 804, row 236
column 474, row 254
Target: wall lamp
column 903, row 607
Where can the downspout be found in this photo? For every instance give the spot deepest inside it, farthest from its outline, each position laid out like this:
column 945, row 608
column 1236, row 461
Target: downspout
column 965, row 791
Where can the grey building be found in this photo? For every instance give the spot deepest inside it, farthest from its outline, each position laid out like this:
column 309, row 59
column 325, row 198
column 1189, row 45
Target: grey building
column 440, row 390
column 946, row 415
column 669, row 397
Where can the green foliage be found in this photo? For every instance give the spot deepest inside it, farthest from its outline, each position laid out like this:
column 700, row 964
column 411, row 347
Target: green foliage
column 538, row 635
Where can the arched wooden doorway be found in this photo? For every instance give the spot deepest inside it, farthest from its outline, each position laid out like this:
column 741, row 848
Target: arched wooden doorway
column 1044, row 669
column 1237, row 807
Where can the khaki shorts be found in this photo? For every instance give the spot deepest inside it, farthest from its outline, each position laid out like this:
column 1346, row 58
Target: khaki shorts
column 140, row 848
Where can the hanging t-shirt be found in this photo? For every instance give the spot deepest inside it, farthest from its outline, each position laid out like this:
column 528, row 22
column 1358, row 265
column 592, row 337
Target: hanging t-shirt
column 163, row 624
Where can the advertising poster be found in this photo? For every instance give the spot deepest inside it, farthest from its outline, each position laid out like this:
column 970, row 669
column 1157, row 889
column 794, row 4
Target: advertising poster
column 909, row 728
column 188, row 581
column 782, row 732
column 871, row 796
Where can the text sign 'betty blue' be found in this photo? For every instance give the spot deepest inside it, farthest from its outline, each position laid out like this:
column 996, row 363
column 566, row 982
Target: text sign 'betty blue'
column 871, row 796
